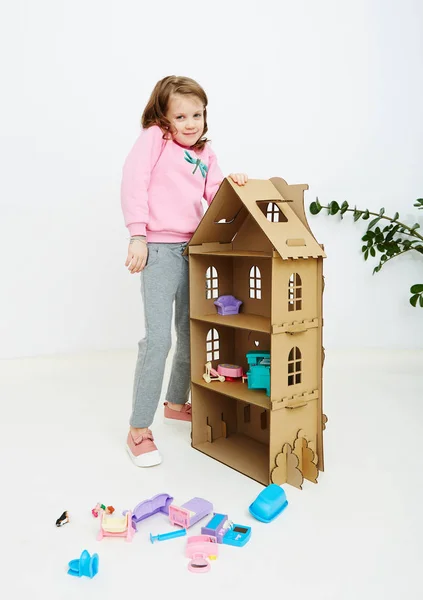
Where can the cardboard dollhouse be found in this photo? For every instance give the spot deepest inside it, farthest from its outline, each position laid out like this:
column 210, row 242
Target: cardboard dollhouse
column 254, row 244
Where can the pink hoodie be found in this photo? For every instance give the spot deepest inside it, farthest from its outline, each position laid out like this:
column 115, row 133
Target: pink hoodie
column 162, row 187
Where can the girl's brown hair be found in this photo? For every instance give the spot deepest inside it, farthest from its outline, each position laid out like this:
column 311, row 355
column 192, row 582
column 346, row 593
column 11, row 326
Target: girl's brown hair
column 156, row 108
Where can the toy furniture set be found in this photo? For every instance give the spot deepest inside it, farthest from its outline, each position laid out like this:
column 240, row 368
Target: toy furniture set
column 199, row 548
column 256, row 287
column 257, row 377
column 184, row 516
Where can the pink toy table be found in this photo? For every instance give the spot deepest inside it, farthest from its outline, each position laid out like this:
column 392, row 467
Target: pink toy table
column 228, row 370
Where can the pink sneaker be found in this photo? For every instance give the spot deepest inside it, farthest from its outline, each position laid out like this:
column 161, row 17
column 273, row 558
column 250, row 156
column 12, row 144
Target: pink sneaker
column 185, row 414
column 143, row 450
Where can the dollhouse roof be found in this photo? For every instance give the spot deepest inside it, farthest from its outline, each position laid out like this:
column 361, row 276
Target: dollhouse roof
column 237, row 207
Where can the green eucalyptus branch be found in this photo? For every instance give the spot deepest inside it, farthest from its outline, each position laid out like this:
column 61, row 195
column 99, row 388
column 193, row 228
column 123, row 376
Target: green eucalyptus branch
column 389, row 241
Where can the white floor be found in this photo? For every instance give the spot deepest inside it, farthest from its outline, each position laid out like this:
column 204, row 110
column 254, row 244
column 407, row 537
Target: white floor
column 355, row 535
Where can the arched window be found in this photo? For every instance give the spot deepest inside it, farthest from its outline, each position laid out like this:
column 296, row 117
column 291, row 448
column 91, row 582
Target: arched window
column 255, row 283
column 295, row 292
column 273, row 213
column 294, row 366
column 212, row 345
column 212, row 283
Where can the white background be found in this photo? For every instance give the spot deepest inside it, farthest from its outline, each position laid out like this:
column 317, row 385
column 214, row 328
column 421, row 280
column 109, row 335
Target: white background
column 326, row 93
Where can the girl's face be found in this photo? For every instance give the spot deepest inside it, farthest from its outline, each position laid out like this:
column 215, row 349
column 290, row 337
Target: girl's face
column 186, row 116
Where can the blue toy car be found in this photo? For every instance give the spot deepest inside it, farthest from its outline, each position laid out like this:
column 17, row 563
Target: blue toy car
column 269, row 503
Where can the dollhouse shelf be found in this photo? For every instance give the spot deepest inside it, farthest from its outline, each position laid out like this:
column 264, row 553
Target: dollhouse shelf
column 241, row 453
column 240, row 321
column 237, row 390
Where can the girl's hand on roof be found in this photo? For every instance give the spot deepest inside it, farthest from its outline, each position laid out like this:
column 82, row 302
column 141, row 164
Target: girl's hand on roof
column 239, row 178
column 137, row 256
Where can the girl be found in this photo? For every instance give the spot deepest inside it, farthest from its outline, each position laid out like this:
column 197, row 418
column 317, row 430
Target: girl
column 170, row 168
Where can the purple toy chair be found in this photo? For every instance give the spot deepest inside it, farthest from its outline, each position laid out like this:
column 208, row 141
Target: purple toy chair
column 227, row 305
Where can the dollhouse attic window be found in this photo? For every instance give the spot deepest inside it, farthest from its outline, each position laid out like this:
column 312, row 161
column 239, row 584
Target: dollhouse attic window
column 212, row 283
column 212, row 345
column 272, row 212
column 227, row 214
column 294, row 366
column 255, row 283
column 295, row 292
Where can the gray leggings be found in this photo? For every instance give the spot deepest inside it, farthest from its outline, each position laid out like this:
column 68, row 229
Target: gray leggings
column 164, row 281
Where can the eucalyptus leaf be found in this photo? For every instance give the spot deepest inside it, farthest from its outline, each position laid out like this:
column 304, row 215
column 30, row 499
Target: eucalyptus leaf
column 334, row 207
column 314, row 208
column 413, row 300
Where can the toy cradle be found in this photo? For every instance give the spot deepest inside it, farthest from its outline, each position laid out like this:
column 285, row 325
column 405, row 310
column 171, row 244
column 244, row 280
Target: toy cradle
column 116, row 526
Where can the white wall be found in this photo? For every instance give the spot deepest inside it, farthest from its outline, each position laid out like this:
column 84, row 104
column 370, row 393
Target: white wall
column 326, row 93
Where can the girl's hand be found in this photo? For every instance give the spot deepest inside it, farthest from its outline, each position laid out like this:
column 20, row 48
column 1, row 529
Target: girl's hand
column 137, row 256
column 239, row 178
